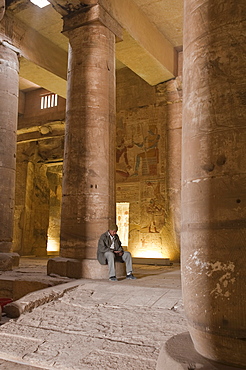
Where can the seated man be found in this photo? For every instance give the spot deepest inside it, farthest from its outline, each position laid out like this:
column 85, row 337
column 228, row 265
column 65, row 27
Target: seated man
column 110, row 250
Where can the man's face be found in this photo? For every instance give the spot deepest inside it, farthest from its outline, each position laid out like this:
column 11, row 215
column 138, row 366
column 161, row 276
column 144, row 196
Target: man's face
column 112, row 232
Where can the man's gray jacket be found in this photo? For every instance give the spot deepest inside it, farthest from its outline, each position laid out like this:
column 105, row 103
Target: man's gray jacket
column 104, row 245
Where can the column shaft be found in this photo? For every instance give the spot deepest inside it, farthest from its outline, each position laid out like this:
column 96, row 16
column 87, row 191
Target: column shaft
column 89, row 180
column 214, row 178
column 9, row 85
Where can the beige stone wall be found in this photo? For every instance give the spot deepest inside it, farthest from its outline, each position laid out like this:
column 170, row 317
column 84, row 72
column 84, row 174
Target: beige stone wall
column 148, row 146
column 40, row 143
column 30, row 113
column 54, row 175
column 32, row 203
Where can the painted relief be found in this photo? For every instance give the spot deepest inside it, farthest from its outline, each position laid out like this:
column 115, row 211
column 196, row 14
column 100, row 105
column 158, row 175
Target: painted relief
column 150, row 246
column 140, row 169
column 137, row 151
column 122, row 163
column 148, row 157
column 147, row 217
column 153, row 208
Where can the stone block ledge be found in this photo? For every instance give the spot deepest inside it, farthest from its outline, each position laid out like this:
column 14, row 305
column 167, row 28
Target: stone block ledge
column 86, row 268
column 151, row 261
column 8, row 261
column 38, row 298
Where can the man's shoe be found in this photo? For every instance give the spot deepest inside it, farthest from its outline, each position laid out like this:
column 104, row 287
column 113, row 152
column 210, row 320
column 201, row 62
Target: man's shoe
column 131, row 277
column 113, row 278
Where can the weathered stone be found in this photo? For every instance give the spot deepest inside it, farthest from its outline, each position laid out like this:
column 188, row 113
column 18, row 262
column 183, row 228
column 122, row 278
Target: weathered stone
column 89, row 172
column 121, row 323
column 15, row 258
column 213, row 179
column 178, row 353
column 37, row 298
column 8, row 125
column 6, row 262
column 86, row 268
column 93, row 270
column 57, row 266
column 148, row 163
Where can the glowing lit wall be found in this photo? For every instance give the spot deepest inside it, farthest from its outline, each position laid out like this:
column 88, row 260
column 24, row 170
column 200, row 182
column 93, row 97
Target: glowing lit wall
column 122, row 219
column 54, row 175
column 143, row 164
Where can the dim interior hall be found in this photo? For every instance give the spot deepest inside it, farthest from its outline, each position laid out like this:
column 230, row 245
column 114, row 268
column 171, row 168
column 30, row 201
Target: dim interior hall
column 130, row 112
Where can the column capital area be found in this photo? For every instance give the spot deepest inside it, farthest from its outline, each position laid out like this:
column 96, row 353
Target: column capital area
column 65, row 7
column 91, row 14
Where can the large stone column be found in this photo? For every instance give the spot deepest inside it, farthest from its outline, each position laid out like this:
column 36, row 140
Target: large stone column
column 214, row 178
column 88, row 202
column 2, row 9
column 9, row 87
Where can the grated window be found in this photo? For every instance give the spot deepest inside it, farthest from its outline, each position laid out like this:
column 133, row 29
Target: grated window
column 49, row 101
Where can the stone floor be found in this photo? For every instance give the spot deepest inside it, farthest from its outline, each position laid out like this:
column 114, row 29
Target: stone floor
column 97, row 324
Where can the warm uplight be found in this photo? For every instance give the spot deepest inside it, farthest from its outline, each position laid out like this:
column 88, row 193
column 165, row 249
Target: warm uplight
column 149, row 254
column 53, row 245
column 40, row 3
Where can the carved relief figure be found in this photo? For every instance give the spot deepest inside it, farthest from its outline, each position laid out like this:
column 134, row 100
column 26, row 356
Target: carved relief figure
column 154, row 211
column 122, row 163
column 149, row 157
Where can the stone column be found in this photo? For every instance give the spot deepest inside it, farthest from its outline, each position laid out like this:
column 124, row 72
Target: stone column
column 88, row 202
column 214, row 178
column 9, row 87
column 2, row 9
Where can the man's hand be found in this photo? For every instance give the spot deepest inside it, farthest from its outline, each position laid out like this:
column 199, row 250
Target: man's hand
column 119, row 253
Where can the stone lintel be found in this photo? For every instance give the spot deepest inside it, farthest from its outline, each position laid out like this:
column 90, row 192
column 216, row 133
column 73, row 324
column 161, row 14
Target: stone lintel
column 91, row 15
column 43, row 77
column 86, row 268
column 46, row 131
column 33, row 46
column 155, row 54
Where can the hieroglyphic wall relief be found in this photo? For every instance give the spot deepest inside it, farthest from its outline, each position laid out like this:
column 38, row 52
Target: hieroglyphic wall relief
column 140, row 175
column 144, row 123
column 139, row 144
column 153, row 211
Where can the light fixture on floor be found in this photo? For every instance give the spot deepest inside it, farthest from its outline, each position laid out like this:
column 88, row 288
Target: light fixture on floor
column 40, row 3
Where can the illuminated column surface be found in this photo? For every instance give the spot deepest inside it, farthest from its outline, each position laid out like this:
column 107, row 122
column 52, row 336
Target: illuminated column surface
column 9, row 85
column 214, row 178
column 88, row 202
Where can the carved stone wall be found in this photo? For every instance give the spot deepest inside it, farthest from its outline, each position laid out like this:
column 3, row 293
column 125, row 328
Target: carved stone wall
column 148, row 147
column 32, row 203
column 40, row 143
column 54, row 175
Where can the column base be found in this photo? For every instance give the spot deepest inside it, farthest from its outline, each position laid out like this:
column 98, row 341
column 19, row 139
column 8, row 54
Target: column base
column 8, row 261
column 220, row 348
column 178, row 353
column 77, row 269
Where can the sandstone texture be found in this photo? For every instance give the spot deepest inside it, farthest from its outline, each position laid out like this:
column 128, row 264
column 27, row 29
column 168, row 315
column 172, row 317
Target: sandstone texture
column 99, row 324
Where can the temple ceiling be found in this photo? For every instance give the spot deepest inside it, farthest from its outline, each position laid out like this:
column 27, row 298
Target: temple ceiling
column 152, row 32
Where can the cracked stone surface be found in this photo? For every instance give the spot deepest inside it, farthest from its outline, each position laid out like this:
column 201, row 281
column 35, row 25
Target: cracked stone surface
column 99, row 325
